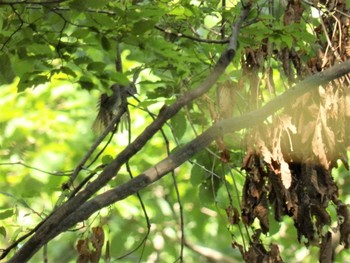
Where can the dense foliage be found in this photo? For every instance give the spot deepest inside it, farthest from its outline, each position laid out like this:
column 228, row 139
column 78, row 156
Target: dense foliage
column 236, row 196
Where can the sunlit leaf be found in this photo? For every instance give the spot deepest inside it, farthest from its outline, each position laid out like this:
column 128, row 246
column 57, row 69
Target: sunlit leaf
column 3, row 231
column 68, row 71
column 106, row 159
column 121, row 79
column 6, row 214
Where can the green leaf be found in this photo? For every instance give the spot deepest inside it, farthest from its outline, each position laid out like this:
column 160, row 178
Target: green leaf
column 222, row 199
column 6, row 73
column 6, row 214
column 23, row 203
column 86, row 83
column 81, row 33
column 96, row 4
column 30, row 80
column 102, row 20
column 179, row 124
column 20, row 201
column 178, row 11
column 205, row 194
column 1, row 20
column 106, row 45
column 121, row 79
column 79, row 5
column 106, row 159
column 82, row 60
column 68, row 71
column 7, row 194
column 142, row 26
column 181, row 11
column 96, row 66
column 288, row 40
column 274, row 226
column 3, row 231
column 16, row 233
column 198, row 175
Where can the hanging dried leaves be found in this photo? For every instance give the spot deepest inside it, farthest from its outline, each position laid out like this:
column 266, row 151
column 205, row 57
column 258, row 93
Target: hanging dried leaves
column 290, row 167
column 83, row 250
column 225, row 102
column 257, row 253
column 326, row 251
column 86, row 252
column 344, row 222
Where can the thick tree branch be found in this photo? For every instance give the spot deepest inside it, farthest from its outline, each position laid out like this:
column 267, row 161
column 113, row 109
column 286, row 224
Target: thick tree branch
column 183, row 154
column 190, row 149
column 52, row 226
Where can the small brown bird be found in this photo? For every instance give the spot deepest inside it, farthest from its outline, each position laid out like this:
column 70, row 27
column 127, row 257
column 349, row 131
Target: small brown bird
column 108, row 106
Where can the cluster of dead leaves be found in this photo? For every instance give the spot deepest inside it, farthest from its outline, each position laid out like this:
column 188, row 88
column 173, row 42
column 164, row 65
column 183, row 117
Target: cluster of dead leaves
column 290, row 167
column 90, row 249
column 322, row 121
column 257, row 251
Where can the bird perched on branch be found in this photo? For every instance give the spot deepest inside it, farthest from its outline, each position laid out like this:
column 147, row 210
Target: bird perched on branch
column 109, row 106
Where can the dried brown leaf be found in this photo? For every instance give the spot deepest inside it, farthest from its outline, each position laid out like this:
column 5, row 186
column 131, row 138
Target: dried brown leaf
column 304, row 222
column 326, row 250
column 318, row 146
column 344, row 218
column 307, row 132
column 225, row 156
column 322, row 217
column 232, row 215
column 265, row 152
column 108, row 253
column 274, row 254
column 226, row 99
column 328, row 134
column 347, row 105
column 261, row 211
column 97, row 241
column 83, row 250
column 247, row 163
column 286, row 175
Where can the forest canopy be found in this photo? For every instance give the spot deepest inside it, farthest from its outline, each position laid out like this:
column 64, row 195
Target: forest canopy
column 164, row 131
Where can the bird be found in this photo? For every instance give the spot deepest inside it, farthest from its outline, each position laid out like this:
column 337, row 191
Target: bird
column 109, row 105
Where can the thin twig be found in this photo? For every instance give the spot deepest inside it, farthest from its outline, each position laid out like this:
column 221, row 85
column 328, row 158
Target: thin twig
column 67, row 214
column 109, row 128
column 65, row 173
column 202, row 40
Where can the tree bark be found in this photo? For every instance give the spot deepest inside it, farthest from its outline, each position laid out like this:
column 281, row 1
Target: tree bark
column 57, row 222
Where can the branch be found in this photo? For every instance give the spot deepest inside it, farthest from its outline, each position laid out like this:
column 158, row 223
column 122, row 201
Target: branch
column 52, row 226
column 58, row 173
column 197, row 39
column 178, row 157
column 14, row 32
column 210, row 254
